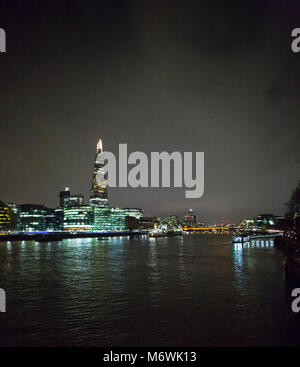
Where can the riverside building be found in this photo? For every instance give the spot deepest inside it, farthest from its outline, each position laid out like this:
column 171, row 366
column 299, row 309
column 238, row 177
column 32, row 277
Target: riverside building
column 7, row 217
column 109, row 219
column 32, row 218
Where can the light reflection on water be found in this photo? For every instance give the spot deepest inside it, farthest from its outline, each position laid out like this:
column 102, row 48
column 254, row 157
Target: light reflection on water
column 191, row 290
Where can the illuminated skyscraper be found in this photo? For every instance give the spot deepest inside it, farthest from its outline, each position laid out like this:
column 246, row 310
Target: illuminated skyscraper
column 189, row 219
column 189, row 216
column 99, row 185
column 64, row 197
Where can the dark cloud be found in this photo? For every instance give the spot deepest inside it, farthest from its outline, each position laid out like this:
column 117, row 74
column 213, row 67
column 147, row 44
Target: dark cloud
column 217, row 77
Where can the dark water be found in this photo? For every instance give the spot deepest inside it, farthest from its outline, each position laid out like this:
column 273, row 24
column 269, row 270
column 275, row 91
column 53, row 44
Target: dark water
column 195, row 290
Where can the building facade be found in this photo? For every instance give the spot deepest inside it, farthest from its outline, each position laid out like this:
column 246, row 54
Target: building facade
column 51, row 220
column 67, row 200
column 189, row 220
column 64, row 197
column 32, row 218
column 149, row 223
column 134, row 212
column 8, row 218
column 170, row 222
column 109, row 219
column 78, row 218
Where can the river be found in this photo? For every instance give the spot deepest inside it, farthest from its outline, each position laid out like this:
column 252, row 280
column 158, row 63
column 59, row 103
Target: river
column 194, row 290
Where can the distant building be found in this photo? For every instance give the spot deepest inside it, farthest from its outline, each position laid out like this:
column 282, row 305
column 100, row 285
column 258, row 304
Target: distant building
column 31, row 218
column 134, row 212
column 67, row 200
column 8, row 219
column 189, row 220
column 99, row 196
column 170, row 222
column 51, row 220
column 148, row 223
column 118, row 219
column 14, row 207
column 59, row 218
column 78, row 218
column 190, row 216
column 102, row 220
column 266, row 220
column 247, row 223
column 64, row 197
column 75, row 200
column 109, row 219
column 132, row 224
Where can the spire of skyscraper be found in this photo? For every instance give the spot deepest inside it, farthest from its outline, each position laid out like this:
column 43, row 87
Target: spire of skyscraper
column 99, row 146
column 99, row 195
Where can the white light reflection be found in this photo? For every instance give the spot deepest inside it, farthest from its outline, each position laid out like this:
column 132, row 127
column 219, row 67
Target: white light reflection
column 253, row 244
column 182, row 267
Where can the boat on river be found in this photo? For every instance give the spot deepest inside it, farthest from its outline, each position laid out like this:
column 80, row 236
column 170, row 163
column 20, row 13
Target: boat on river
column 156, row 234
column 246, row 237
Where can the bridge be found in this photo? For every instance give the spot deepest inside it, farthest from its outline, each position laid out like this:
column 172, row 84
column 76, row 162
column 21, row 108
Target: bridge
column 206, row 229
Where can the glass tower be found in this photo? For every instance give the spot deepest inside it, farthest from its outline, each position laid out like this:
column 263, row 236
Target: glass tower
column 109, row 219
column 32, row 218
column 99, row 185
column 78, row 218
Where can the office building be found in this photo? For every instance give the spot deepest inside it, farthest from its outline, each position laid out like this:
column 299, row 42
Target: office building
column 189, row 220
column 51, row 220
column 64, row 197
column 134, row 212
column 67, row 200
column 78, row 218
column 75, row 200
column 31, row 218
column 109, row 219
column 7, row 218
column 149, row 223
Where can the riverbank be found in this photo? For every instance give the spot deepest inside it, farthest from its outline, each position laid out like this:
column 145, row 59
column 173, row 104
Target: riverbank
column 58, row 236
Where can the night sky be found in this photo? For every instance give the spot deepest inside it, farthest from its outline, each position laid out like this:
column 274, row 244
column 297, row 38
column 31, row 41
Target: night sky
column 212, row 76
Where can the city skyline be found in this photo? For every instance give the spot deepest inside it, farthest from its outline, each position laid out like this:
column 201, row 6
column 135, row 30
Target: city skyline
column 99, row 195
column 150, row 178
